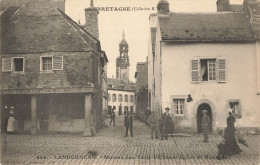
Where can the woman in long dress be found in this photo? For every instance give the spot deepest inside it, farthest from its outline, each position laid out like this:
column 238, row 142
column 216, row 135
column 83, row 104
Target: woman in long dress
column 11, row 119
column 230, row 146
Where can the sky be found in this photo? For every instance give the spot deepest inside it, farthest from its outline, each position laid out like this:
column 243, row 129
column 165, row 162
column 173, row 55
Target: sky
column 135, row 24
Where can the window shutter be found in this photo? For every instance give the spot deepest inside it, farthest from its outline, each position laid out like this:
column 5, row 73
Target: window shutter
column 221, row 70
column 57, row 63
column 6, row 64
column 195, row 70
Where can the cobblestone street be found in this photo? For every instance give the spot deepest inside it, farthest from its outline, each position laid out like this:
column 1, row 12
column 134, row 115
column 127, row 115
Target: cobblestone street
column 111, row 147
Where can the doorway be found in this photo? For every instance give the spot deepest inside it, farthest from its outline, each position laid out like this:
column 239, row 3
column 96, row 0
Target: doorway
column 203, row 106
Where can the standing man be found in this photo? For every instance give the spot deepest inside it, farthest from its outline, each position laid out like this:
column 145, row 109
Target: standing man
column 112, row 117
column 205, row 125
column 166, row 123
column 153, row 121
column 128, row 124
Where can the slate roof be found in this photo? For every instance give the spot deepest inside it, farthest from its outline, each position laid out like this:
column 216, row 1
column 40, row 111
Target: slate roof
column 230, row 27
column 121, row 85
column 39, row 26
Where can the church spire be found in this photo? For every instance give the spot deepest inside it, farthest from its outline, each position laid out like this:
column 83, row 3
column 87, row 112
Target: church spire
column 123, row 36
column 91, row 3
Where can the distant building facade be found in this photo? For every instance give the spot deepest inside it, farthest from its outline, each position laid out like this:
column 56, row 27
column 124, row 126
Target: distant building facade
column 53, row 76
column 203, row 61
column 121, row 96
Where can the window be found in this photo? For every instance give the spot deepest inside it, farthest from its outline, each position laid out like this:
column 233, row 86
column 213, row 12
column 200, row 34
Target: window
column 178, row 106
column 49, row 63
column 18, row 64
column 235, row 105
column 46, row 63
column 114, row 98
column 15, row 64
column 208, row 70
column 120, row 98
column 126, row 98
column 131, row 98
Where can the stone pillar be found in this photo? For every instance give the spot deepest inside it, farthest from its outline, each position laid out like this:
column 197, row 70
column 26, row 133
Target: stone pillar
column 33, row 114
column 88, row 108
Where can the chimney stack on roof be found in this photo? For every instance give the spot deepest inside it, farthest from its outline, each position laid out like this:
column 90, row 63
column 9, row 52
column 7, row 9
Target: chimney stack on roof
column 91, row 17
column 163, row 7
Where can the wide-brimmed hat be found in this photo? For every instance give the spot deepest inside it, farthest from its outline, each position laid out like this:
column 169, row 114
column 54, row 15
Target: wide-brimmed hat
column 12, row 106
column 167, row 108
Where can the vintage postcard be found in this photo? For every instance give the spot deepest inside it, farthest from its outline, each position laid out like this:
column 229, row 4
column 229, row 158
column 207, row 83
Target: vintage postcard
column 130, row 81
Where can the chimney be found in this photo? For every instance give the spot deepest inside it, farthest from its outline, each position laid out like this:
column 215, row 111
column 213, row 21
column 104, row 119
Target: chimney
column 223, row 5
column 91, row 17
column 163, row 7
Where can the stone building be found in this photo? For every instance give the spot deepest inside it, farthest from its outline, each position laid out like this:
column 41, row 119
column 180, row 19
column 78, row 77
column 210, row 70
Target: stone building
column 52, row 70
column 121, row 96
column 141, row 93
column 203, row 61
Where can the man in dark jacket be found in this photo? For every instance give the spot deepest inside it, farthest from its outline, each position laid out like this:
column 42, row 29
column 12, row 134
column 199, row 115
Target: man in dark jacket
column 205, row 125
column 128, row 124
column 113, row 117
column 166, row 123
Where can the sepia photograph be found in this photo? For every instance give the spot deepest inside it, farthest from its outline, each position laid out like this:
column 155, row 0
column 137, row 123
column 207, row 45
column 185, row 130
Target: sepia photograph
column 139, row 82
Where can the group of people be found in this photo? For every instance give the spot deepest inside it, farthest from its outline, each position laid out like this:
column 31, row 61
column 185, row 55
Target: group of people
column 164, row 124
column 128, row 122
column 9, row 121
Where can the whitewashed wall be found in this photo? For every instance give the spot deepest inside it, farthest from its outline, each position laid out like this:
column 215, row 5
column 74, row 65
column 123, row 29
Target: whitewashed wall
column 241, row 80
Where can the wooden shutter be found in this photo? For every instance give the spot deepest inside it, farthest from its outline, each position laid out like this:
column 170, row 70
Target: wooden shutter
column 6, row 64
column 221, row 70
column 57, row 63
column 195, row 68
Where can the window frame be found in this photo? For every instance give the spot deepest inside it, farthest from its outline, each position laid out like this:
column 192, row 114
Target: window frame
column 239, row 113
column 193, row 69
column 131, row 98
column 52, row 63
column 120, row 98
column 179, row 97
column 126, row 98
column 114, row 100
column 41, row 63
column 13, row 66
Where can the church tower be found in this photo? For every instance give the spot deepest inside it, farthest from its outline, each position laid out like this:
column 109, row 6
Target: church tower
column 122, row 62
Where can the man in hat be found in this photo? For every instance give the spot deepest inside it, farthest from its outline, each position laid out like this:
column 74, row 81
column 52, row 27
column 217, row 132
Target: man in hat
column 166, row 123
column 153, row 121
column 205, row 125
column 128, row 124
column 113, row 117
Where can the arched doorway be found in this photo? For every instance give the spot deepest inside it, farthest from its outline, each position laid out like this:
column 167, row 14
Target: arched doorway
column 203, row 106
